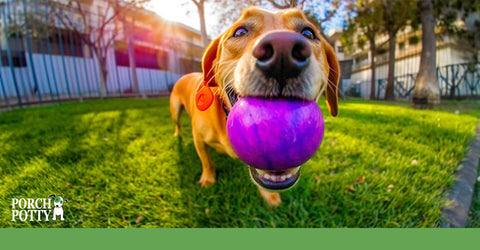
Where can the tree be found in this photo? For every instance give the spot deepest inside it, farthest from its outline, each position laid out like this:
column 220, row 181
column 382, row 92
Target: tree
column 451, row 19
column 285, row 4
column 396, row 14
column 318, row 12
column 128, row 31
column 454, row 18
column 227, row 12
column 368, row 21
column 426, row 93
column 95, row 27
column 201, row 14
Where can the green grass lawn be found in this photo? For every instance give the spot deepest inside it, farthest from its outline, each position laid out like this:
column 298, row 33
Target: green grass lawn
column 117, row 163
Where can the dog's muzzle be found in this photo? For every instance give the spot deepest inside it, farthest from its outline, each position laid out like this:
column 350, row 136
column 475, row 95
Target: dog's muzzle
column 282, row 55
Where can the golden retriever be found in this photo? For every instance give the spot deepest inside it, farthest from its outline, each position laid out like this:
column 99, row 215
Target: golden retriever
column 263, row 54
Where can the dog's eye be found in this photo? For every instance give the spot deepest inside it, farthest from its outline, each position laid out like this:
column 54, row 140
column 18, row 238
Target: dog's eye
column 240, row 31
column 308, row 33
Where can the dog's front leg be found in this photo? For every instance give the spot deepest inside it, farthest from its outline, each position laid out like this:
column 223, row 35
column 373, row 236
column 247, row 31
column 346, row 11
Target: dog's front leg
column 272, row 198
column 208, row 169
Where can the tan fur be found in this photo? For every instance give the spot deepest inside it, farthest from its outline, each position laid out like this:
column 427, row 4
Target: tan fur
column 228, row 63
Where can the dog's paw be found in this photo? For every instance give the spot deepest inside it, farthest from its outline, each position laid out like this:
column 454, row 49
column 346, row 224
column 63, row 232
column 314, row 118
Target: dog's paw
column 177, row 131
column 206, row 180
column 272, row 198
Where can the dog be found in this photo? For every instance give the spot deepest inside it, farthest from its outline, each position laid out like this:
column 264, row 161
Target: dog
column 58, row 206
column 263, row 54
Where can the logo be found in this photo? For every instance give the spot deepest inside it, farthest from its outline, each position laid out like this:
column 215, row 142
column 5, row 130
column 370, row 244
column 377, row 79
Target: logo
column 39, row 209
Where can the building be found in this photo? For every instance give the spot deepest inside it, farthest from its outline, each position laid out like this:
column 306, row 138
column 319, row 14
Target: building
column 45, row 58
column 454, row 73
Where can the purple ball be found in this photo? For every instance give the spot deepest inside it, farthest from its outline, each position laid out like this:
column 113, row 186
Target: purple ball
column 275, row 134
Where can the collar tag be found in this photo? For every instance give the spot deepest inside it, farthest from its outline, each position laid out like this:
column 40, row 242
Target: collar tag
column 204, row 97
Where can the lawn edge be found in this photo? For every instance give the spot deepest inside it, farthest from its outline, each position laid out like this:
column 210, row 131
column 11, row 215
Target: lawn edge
column 459, row 199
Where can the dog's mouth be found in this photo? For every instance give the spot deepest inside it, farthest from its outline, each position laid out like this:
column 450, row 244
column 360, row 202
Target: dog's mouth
column 275, row 180
column 232, row 96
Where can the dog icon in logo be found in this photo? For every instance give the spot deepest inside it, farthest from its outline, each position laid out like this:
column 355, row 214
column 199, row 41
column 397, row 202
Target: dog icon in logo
column 58, row 206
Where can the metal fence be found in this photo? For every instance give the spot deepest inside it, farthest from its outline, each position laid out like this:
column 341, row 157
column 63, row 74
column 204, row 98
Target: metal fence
column 454, row 81
column 59, row 66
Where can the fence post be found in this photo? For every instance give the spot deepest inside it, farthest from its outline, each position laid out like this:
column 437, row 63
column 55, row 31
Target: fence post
column 116, row 69
column 43, row 57
column 3, row 90
column 72, row 49
column 49, row 48
column 86, row 69
column 62, row 53
column 378, row 89
column 151, row 80
column 21, row 80
column 165, row 64
column 29, row 50
column 9, row 56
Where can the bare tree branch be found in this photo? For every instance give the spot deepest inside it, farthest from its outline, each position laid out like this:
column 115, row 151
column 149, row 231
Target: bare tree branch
column 285, row 5
column 95, row 29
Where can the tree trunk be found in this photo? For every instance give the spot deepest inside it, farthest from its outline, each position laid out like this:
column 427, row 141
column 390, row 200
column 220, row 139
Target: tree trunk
column 102, row 68
column 392, row 40
column 426, row 93
column 373, row 69
column 131, row 55
column 203, row 29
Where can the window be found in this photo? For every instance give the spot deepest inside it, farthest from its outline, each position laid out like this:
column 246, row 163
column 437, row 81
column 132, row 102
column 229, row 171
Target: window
column 145, row 57
column 58, row 40
column 18, row 58
column 15, row 44
column 401, row 46
column 340, row 49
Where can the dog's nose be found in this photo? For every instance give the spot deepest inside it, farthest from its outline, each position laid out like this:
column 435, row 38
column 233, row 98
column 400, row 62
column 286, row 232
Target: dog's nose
column 282, row 54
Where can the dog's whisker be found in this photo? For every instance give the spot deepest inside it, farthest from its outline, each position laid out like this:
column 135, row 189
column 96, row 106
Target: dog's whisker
column 212, row 69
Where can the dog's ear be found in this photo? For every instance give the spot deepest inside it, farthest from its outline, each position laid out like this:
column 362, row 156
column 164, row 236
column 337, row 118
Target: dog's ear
column 204, row 96
column 208, row 59
column 333, row 80
column 52, row 196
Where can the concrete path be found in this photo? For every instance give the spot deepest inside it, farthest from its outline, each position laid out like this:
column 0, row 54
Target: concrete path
column 455, row 214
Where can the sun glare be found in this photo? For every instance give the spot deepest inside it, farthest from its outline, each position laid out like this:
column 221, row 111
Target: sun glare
column 174, row 11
